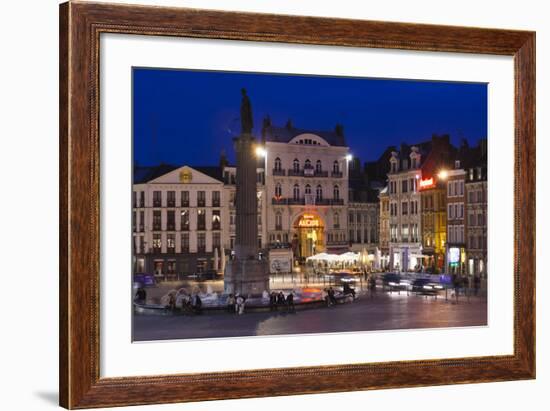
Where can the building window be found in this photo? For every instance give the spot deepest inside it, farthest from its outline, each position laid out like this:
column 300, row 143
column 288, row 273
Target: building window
column 307, row 164
column 318, row 166
column 336, row 167
column 142, row 198
column 336, row 220
column 134, row 222
column 170, row 220
column 404, row 186
column 277, row 166
column 171, row 199
column 201, row 219
column 157, row 243
column 405, row 233
column 336, row 192
column 215, row 198
column 201, row 198
column 157, row 199
column 308, row 189
column 171, row 243
column 278, row 221
column 185, row 242
column 142, row 244
column 134, row 199
column 216, row 241
column 141, row 221
column 404, row 208
column 319, row 193
column 157, row 220
column 201, row 242
column 185, row 198
column 296, row 165
column 216, row 220
column 296, row 192
column 278, row 190
column 480, row 219
column 184, row 225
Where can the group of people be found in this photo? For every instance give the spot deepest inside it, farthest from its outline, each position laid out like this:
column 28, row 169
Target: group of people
column 236, row 303
column 279, row 300
column 189, row 303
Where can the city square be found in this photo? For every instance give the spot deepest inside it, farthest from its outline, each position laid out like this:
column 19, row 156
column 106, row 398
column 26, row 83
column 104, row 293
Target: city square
column 290, row 232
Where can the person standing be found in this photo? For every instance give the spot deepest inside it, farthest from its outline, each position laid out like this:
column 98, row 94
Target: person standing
column 290, row 301
column 198, row 304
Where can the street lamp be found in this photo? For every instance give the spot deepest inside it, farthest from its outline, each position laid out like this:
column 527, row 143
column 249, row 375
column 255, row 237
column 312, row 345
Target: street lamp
column 260, row 151
column 443, row 174
column 349, row 157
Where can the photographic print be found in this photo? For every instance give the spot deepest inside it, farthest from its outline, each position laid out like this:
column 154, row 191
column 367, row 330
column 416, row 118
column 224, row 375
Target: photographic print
column 276, row 204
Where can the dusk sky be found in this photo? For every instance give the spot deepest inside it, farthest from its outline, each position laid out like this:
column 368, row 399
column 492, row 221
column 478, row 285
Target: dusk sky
column 187, row 117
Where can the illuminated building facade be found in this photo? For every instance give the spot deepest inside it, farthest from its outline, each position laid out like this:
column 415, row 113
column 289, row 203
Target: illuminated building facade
column 306, row 182
column 456, row 220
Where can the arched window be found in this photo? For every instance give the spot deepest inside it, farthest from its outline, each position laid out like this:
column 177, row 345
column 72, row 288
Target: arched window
column 296, row 192
column 318, row 166
column 319, row 193
column 277, row 164
column 308, row 189
column 296, row 165
column 278, row 190
column 336, row 193
column 336, row 166
column 307, row 164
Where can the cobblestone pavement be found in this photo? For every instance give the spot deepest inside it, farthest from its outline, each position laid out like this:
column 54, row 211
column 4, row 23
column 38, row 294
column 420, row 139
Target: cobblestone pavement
column 383, row 312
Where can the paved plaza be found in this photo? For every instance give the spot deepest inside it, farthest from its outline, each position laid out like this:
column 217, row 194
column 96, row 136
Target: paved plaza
column 384, row 311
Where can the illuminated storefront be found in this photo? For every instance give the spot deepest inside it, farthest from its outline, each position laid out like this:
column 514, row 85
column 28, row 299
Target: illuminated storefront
column 309, row 235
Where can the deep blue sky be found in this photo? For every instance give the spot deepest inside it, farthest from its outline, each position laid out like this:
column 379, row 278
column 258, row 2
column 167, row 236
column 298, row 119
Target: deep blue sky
column 187, row 117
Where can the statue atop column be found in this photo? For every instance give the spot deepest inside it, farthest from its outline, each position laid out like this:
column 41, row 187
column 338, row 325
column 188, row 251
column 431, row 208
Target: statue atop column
column 246, row 273
column 246, row 114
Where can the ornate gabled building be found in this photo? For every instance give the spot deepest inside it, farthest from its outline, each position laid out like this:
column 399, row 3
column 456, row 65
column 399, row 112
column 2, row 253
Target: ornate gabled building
column 404, row 198
column 306, row 181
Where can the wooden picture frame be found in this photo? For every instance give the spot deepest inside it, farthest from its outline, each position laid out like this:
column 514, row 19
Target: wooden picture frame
column 80, row 27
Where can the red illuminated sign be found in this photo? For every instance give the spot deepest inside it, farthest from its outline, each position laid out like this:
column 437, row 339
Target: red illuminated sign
column 427, row 183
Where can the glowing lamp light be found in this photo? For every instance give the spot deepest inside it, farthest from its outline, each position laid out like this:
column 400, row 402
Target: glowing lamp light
column 260, row 151
column 443, row 174
column 349, row 157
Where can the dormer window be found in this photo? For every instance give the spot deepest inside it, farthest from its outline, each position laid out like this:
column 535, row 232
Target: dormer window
column 457, row 163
